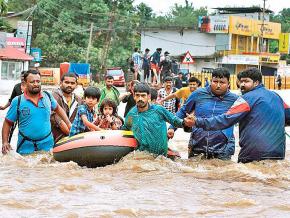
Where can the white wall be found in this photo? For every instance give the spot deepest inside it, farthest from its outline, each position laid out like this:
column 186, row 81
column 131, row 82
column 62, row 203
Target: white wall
column 199, row 64
column 26, row 65
column 198, row 44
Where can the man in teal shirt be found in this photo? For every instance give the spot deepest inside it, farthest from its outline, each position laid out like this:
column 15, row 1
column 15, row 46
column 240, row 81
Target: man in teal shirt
column 148, row 122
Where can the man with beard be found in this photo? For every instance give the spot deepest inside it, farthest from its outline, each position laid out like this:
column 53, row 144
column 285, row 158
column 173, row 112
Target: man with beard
column 68, row 101
column 110, row 91
column 148, row 122
column 32, row 109
column 262, row 116
column 210, row 101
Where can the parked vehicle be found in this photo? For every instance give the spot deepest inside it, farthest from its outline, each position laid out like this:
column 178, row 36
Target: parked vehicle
column 118, row 74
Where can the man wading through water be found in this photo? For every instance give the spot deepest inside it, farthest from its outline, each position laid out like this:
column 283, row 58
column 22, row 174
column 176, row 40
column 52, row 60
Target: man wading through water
column 262, row 116
column 210, row 101
column 32, row 110
column 148, row 122
column 68, row 101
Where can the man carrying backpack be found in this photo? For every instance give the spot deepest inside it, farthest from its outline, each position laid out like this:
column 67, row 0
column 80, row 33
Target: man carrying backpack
column 32, row 110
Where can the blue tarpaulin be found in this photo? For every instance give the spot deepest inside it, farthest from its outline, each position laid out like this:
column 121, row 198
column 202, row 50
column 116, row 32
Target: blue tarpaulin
column 80, row 69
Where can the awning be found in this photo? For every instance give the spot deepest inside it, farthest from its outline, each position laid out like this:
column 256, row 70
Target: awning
column 11, row 53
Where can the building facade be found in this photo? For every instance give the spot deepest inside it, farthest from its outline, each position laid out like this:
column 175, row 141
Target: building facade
column 177, row 41
column 243, row 39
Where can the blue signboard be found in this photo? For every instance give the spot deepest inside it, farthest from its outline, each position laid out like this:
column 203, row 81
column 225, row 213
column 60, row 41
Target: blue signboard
column 36, row 53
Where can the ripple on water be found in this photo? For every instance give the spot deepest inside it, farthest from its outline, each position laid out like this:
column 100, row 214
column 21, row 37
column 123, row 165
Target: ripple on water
column 240, row 203
column 74, row 187
column 283, row 207
column 127, row 212
column 16, row 204
column 137, row 176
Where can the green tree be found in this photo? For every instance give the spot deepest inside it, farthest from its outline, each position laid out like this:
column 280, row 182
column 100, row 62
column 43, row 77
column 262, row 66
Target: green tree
column 283, row 17
column 179, row 16
column 60, row 30
column 145, row 14
column 3, row 7
column 18, row 6
column 186, row 16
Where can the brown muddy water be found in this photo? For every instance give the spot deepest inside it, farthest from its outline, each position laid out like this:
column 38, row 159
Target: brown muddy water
column 142, row 186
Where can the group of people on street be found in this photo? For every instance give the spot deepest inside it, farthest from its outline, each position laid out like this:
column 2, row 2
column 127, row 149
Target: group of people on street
column 209, row 113
column 152, row 69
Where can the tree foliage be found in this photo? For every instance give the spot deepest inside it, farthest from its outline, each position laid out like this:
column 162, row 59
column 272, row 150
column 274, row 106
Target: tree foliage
column 3, row 7
column 61, row 28
column 283, row 17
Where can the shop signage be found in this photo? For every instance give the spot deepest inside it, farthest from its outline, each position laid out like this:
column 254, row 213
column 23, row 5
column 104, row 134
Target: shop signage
column 241, row 59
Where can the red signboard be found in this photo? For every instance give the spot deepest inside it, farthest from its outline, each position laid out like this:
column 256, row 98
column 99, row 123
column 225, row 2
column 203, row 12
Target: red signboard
column 18, row 43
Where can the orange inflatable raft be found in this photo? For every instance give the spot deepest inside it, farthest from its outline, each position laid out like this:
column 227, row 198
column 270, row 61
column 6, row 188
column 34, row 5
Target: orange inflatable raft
column 98, row 148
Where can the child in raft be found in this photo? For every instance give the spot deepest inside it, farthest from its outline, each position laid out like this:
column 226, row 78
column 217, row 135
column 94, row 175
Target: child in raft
column 83, row 121
column 108, row 117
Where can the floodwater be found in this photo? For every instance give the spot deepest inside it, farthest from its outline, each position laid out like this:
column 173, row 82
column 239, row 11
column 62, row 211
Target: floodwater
column 142, row 186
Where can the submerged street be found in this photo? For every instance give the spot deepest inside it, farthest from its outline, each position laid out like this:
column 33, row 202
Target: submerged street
column 139, row 185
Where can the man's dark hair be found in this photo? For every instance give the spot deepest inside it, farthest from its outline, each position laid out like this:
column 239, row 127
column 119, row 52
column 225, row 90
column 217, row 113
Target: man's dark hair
column 154, row 94
column 159, row 49
column 110, row 103
column 221, row 72
column 26, row 73
column 92, row 92
column 168, row 78
column 136, row 49
column 69, row 75
column 142, row 87
column 147, row 49
column 252, row 73
column 194, row 79
column 109, row 77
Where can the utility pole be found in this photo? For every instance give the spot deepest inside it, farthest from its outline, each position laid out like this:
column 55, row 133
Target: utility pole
column 262, row 33
column 107, row 42
column 90, row 42
column 262, row 27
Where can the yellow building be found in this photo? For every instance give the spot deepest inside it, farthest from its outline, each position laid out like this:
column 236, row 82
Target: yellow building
column 249, row 41
column 243, row 39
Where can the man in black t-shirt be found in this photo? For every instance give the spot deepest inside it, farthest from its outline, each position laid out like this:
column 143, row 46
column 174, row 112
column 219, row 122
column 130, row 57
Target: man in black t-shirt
column 128, row 97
